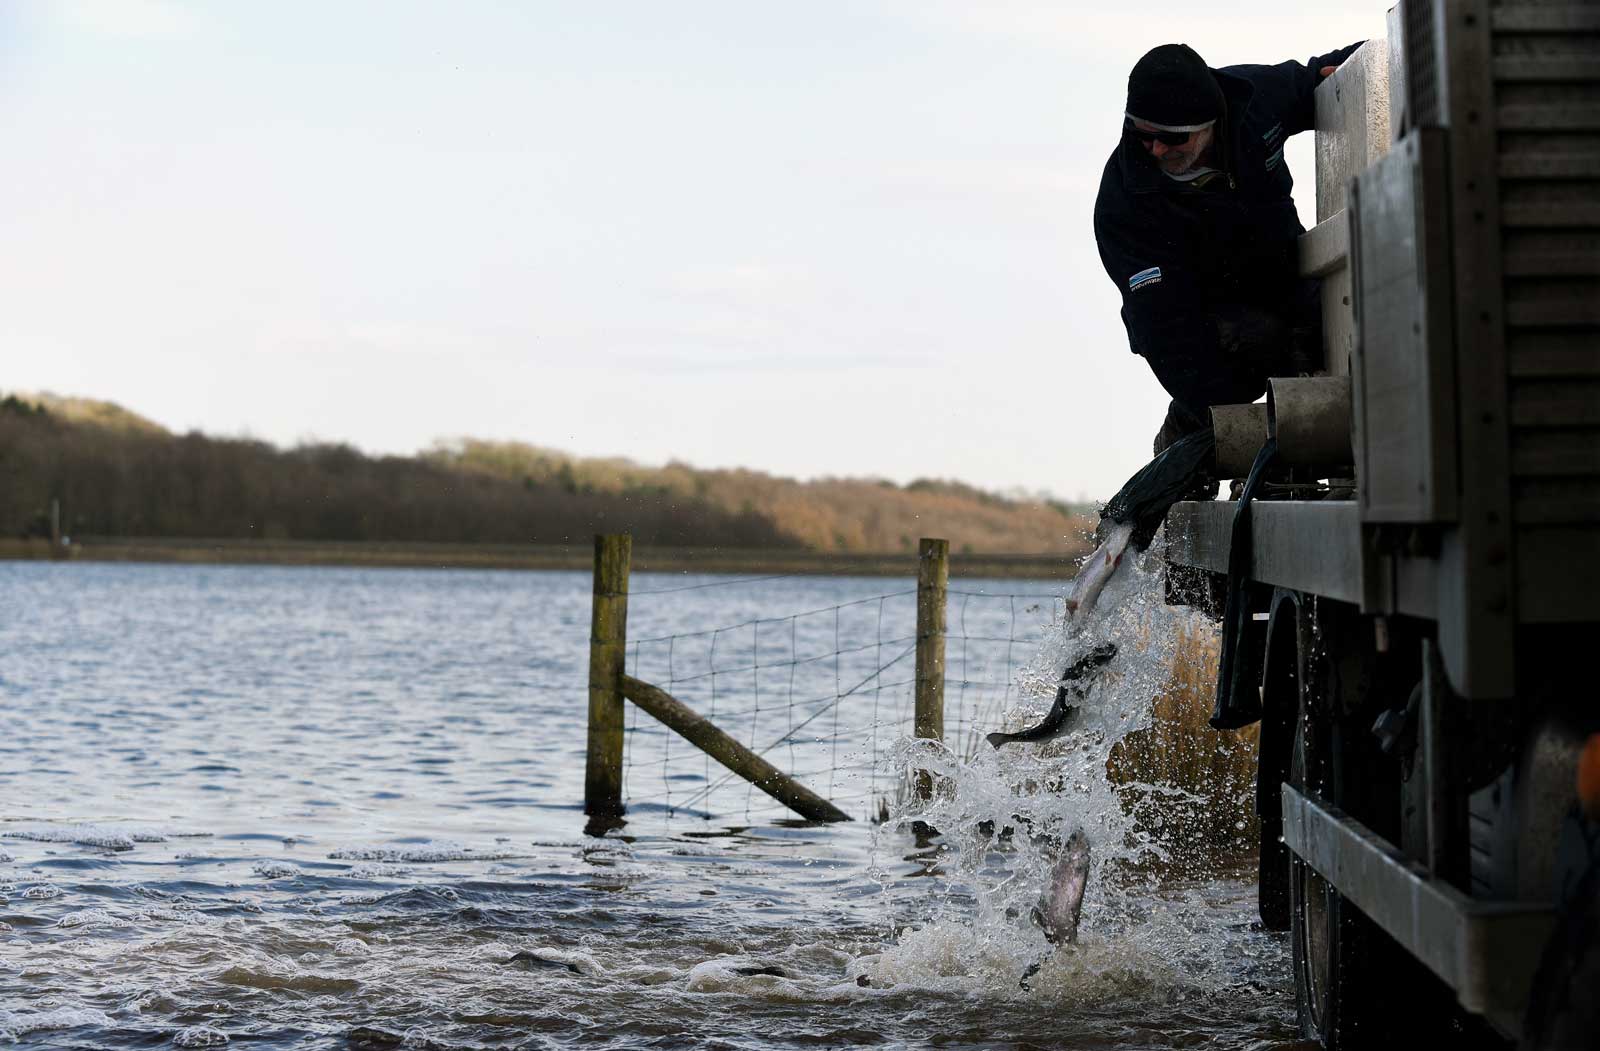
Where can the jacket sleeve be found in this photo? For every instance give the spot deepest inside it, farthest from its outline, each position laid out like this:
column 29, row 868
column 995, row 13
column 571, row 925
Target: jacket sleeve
column 1304, row 80
column 1290, row 87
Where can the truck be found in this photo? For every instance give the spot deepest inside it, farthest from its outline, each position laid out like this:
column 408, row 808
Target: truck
column 1410, row 580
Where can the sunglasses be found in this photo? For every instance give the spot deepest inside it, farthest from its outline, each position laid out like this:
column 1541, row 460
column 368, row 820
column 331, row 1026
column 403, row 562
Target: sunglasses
column 1166, row 138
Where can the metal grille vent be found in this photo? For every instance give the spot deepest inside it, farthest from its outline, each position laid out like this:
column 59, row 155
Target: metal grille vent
column 1422, row 63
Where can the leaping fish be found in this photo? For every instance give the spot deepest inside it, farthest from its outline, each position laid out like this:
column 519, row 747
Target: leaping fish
column 1068, row 693
column 1097, row 570
column 1061, row 903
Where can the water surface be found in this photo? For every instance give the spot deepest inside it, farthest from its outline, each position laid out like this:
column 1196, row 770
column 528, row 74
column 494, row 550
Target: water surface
column 311, row 807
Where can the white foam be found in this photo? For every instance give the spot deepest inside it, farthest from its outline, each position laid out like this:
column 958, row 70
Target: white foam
column 721, row 975
column 377, row 872
column 199, row 1036
column 275, row 869
column 109, row 837
column 18, row 1023
column 439, row 851
column 93, row 918
column 86, row 835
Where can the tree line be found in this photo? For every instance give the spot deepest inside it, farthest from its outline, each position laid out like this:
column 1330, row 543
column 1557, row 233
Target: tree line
column 146, row 483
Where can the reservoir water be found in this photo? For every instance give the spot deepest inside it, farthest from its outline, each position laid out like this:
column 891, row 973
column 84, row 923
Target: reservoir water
column 325, row 808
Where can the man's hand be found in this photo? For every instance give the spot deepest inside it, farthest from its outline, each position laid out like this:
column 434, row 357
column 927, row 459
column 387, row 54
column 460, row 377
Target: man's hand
column 1327, row 71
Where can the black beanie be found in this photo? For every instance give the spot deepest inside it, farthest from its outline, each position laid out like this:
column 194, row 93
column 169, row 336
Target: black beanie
column 1171, row 85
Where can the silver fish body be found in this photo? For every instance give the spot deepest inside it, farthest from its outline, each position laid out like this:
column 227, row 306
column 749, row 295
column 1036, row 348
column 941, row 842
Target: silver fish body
column 1097, row 570
column 1062, row 901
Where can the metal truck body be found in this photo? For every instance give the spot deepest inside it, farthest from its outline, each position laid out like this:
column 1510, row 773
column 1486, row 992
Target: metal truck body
column 1423, row 573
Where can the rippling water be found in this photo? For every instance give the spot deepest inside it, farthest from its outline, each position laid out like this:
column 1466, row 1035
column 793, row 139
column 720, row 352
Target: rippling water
column 342, row 808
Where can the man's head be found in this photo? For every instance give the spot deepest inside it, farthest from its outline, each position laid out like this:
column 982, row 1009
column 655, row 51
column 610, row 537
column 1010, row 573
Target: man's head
column 1174, row 151
column 1173, row 105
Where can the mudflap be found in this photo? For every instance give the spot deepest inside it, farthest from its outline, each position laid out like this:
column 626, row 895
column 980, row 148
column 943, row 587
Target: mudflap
column 1280, row 707
column 1244, row 647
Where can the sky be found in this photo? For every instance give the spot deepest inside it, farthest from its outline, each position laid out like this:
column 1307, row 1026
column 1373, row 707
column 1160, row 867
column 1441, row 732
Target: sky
column 810, row 238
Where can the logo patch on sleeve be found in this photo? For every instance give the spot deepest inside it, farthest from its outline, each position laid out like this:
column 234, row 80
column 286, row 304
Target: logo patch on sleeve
column 1151, row 276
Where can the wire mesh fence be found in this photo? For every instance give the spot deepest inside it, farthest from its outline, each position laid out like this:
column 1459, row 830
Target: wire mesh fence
column 823, row 694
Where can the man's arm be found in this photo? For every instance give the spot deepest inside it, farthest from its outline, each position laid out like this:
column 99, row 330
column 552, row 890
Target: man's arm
column 1308, row 77
column 1290, row 87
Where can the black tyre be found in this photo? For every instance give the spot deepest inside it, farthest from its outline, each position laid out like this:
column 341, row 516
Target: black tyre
column 1355, row 987
column 1331, row 940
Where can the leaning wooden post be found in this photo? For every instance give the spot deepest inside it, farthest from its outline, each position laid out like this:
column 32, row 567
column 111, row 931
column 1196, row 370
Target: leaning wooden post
column 730, row 753
column 608, row 645
column 933, row 578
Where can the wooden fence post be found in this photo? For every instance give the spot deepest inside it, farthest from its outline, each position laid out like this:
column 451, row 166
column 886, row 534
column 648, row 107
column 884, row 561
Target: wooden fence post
column 608, row 646
column 933, row 578
column 700, row 732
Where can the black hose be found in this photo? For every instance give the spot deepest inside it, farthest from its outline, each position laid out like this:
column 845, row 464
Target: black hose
column 1238, row 702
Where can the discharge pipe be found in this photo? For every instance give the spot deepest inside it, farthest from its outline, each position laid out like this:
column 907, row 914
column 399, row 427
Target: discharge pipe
column 1310, row 416
column 1240, row 431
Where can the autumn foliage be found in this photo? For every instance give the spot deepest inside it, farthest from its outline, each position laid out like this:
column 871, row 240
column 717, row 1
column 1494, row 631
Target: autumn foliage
column 119, row 475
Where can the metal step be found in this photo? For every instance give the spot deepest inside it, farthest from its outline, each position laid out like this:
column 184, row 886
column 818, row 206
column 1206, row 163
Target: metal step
column 1485, row 950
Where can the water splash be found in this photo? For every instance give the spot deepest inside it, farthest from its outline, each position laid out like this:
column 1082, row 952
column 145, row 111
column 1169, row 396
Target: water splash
column 1002, row 815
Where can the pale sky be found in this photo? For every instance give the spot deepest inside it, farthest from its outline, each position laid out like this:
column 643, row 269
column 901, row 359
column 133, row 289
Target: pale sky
column 811, row 238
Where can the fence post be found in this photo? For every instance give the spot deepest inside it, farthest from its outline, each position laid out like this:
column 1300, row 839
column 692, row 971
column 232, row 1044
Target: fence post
column 608, row 646
column 933, row 578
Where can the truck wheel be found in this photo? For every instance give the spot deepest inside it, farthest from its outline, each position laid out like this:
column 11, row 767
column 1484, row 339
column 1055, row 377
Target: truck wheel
column 1338, row 989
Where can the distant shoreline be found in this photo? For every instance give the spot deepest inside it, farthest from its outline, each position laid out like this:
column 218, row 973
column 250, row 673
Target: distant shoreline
column 578, row 556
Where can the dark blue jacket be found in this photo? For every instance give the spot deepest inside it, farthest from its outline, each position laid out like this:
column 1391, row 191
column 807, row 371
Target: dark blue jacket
column 1177, row 253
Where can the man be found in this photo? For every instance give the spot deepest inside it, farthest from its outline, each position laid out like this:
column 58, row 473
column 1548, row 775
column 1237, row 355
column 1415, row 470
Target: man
column 1196, row 227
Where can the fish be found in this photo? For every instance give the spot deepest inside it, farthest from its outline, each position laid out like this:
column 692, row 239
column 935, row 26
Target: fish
column 1061, row 904
column 1098, row 569
column 1068, row 693
column 529, row 961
